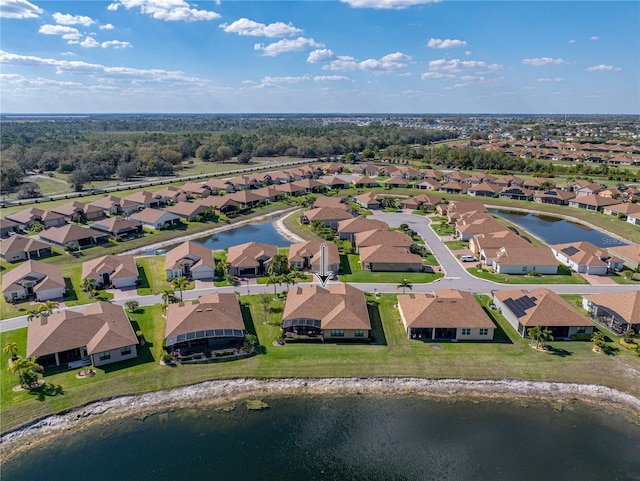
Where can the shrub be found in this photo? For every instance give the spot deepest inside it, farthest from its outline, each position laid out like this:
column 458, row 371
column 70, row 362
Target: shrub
column 207, row 353
column 131, row 305
column 581, row 337
column 628, row 345
column 166, row 358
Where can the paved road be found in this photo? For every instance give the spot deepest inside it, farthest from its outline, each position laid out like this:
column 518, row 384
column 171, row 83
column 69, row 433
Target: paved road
column 456, row 277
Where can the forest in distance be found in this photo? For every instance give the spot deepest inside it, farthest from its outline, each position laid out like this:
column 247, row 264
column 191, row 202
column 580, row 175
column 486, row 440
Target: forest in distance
column 100, row 147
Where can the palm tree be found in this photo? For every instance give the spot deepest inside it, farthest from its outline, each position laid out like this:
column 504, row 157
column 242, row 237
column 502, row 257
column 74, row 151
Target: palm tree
column 289, row 279
column 545, row 335
column 88, row 285
column 404, row 285
column 11, row 348
column 46, row 308
column 598, row 340
column 26, row 369
column 279, row 264
column 180, row 284
column 265, row 302
column 275, row 280
column 168, row 295
column 33, row 313
column 535, row 334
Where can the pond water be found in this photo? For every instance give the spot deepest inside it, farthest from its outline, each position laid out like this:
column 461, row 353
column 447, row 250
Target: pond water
column 554, row 230
column 263, row 232
column 349, row 438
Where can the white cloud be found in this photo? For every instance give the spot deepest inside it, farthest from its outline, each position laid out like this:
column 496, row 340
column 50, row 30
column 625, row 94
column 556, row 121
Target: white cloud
column 331, row 78
column 286, row 45
column 446, row 43
column 603, row 68
column 542, row 61
column 69, row 54
column 320, row 56
column 115, row 44
column 107, row 26
column 438, row 76
column 90, row 42
column 572, row 41
column 473, row 80
column 467, row 52
column 247, row 27
column 66, row 19
column 595, row 37
column 457, row 65
column 556, row 79
column 167, row 10
column 19, row 9
column 100, row 72
column 386, row 4
column 68, row 33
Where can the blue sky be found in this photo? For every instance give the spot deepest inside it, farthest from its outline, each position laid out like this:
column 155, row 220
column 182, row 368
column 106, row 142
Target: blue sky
column 348, row 56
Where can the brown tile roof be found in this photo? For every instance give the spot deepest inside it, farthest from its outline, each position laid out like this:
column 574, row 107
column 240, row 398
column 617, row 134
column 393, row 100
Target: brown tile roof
column 117, row 266
column 430, row 182
column 326, row 214
column 143, row 197
column 496, row 240
column 333, row 180
column 368, row 197
column 100, row 327
column 340, row 307
column 52, row 275
column 360, row 224
column 198, row 253
column 27, row 215
column 247, row 255
column 187, row 209
column 312, row 249
column 69, row 233
column 245, row 197
column 485, row 187
column 333, row 202
column 584, row 252
column 385, row 254
column 211, row 311
column 526, row 256
column 151, row 215
column 625, row 304
column 447, row 309
column 631, row 252
column 106, row 202
column 364, row 180
column 594, row 200
column 21, row 243
column 548, row 309
column 219, row 201
column 554, row 194
column 384, row 237
column 626, row 208
column 115, row 224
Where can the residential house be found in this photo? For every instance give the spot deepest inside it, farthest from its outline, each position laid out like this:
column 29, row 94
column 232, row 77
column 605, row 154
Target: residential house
column 454, row 187
column 19, row 247
column 365, row 169
column 428, row 184
column 199, row 189
column 290, row 189
column 386, row 258
column 553, row 196
column 386, row 237
column 332, row 202
column 516, row 193
column 396, row 183
column 539, row 183
column 334, row 182
column 173, row 194
column 329, row 314
column 433, row 174
column 541, row 307
column 347, row 229
column 618, row 311
column 72, row 234
column 189, row 211
column 623, row 210
column 333, row 168
column 484, row 189
column 508, row 181
column 447, row 315
column 250, row 258
column 525, row 260
column 587, row 189
column 329, row 216
column 246, row 198
column 630, row 255
column 455, row 176
column 110, row 204
column 119, row 227
column 145, row 199
column 191, row 260
column 309, row 185
column 592, row 202
column 479, row 223
column 633, row 219
column 98, row 335
column 486, row 246
column 268, row 193
column 222, row 203
column 308, row 255
column 155, row 218
column 77, row 211
column 117, row 271
column 26, row 218
column 454, row 209
column 368, row 200
column 33, row 278
column 364, row 182
column 8, row 228
column 586, row 258
column 212, row 322
column 217, row 186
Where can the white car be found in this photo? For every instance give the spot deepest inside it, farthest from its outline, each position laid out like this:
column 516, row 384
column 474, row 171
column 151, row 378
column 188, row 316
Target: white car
column 468, row 258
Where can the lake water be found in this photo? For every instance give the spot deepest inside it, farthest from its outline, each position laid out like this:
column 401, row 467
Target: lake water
column 554, row 230
column 349, row 438
column 264, row 232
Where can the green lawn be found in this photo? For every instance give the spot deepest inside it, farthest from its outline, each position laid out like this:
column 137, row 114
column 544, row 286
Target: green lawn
column 153, row 276
column 351, row 271
column 619, row 278
column 456, row 245
column 563, row 277
column 392, row 355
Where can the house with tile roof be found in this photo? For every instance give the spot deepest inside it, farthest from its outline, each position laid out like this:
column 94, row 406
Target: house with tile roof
column 348, row 228
column 308, row 256
column 20, row 247
column 26, row 218
column 110, row 204
column 592, row 202
column 328, row 314
column 329, row 216
column 155, row 218
column 8, row 227
column 386, row 237
column 387, row 258
column 33, row 278
column 74, row 235
column 525, row 260
column 119, row 227
column 586, row 258
column 109, row 270
column 618, row 311
column 250, row 258
column 447, row 315
column 77, row 211
column 368, row 200
column 553, row 196
column 630, row 255
column 99, row 334
column 189, row 211
column 541, row 307
column 191, row 260
column 214, row 321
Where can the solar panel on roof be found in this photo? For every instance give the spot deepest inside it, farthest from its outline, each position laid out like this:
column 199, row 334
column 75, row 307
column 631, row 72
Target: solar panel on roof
column 520, row 305
column 570, row 250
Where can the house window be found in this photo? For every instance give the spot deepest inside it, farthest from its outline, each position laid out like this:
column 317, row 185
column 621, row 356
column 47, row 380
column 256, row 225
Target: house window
column 337, row 333
column 358, row 333
column 466, row 331
column 524, row 269
column 105, row 356
column 581, row 330
column 484, row 332
column 125, row 351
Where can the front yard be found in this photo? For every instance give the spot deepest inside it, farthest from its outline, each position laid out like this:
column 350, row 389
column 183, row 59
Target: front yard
column 351, row 271
column 564, row 276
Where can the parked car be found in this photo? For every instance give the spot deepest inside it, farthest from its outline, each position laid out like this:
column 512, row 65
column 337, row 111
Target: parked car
column 468, row 258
